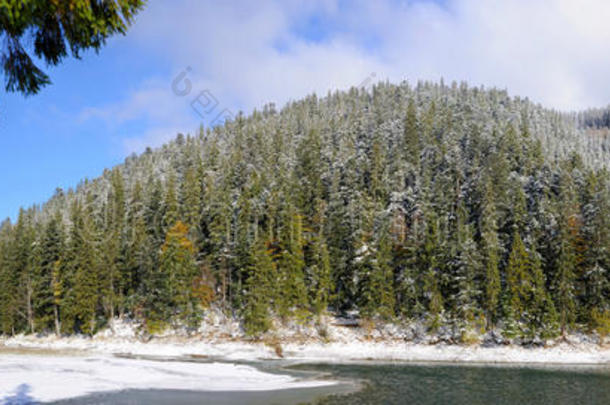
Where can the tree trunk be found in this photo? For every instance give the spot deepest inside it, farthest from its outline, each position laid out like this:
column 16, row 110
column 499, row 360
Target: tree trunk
column 57, row 323
column 111, row 298
column 30, row 310
column 111, row 311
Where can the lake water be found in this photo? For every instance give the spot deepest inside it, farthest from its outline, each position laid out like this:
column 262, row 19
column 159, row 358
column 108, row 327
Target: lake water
column 407, row 384
column 452, row 384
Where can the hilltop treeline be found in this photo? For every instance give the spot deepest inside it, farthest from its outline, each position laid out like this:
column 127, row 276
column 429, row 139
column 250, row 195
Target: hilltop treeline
column 447, row 205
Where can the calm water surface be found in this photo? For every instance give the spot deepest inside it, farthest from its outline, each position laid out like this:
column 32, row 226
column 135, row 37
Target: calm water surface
column 453, row 384
column 407, row 384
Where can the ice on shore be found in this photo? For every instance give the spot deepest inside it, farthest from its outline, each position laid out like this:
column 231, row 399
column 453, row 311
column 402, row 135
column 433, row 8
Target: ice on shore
column 397, row 351
column 221, row 338
column 35, row 377
column 59, row 376
column 343, row 350
column 28, row 378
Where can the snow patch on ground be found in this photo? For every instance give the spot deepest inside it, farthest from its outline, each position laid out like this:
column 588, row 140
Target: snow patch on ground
column 28, row 378
column 400, row 351
column 341, row 351
column 328, row 340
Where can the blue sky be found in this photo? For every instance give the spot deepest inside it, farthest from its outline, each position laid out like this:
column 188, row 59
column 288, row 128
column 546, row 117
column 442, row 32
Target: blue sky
column 242, row 55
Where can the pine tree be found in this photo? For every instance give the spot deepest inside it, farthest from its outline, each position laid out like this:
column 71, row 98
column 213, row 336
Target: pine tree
column 259, row 288
column 50, row 253
column 596, row 222
column 517, row 281
column 564, row 278
column 308, row 172
column 7, row 280
column 57, row 288
column 432, row 293
column 191, row 192
column 23, row 269
column 466, row 267
column 318, row 271
column 84, row 260
column 218, row 232
column 154, row 213
column 568, row 257
column 173, row 285
column 341, row 242
column 542, row 316
column 113, row 284
column 381, row 299
column 170, row 202
column 136, row 268
column 291, row 268
column 411, row 135
column 491, row 254
column 321, row 285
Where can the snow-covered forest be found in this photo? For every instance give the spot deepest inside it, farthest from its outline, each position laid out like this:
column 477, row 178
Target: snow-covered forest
column 442, row 204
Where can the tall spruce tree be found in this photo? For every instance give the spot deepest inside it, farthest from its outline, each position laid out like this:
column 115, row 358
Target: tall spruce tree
column 491, row 254
column 47, row 291
column 260, row 290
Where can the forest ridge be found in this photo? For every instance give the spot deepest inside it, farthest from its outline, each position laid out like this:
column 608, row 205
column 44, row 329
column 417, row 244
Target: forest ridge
column 442, row 204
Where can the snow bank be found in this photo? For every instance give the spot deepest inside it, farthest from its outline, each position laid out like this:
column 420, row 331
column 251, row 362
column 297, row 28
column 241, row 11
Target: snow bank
column 399, row 351
column 166, row 347
column 331, row 340
column 27, row 378
column 338, row 351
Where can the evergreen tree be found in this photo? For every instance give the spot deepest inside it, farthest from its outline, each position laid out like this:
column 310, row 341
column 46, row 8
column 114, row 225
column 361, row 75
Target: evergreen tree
column 491, row 254
column 259, row 288
column 466, row 267
column 542, row 316
column 135, row 249
column 568, row 256
column 83, row 301
column 320, row 269
column 23, row 271
column 411, row 135
column 8, row 280
column 564, row 278
column 47, row 292
column 113, row 284
column 379, row 293
column 517, row 278
column 170, row 202
column 192, row 191
column 172, row 288
column 433, row 296
column 51, row 30
column 291, row 268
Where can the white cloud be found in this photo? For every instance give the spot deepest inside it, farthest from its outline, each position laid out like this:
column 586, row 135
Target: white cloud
column 153, row 100
column 250, row 53
column 154, row 136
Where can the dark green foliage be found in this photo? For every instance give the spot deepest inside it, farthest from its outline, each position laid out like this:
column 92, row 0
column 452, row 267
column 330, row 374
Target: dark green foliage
column 82, row 287
column 49, row 253
column 262, row 274
column 440, row 204
column 378, row 295
column 491, row 254
column 170, row 290
column 56, row 28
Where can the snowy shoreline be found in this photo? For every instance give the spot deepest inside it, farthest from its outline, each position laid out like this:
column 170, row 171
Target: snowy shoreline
column 332, row 340
column 47, row 368
column 25, row 378
column 332, row 352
